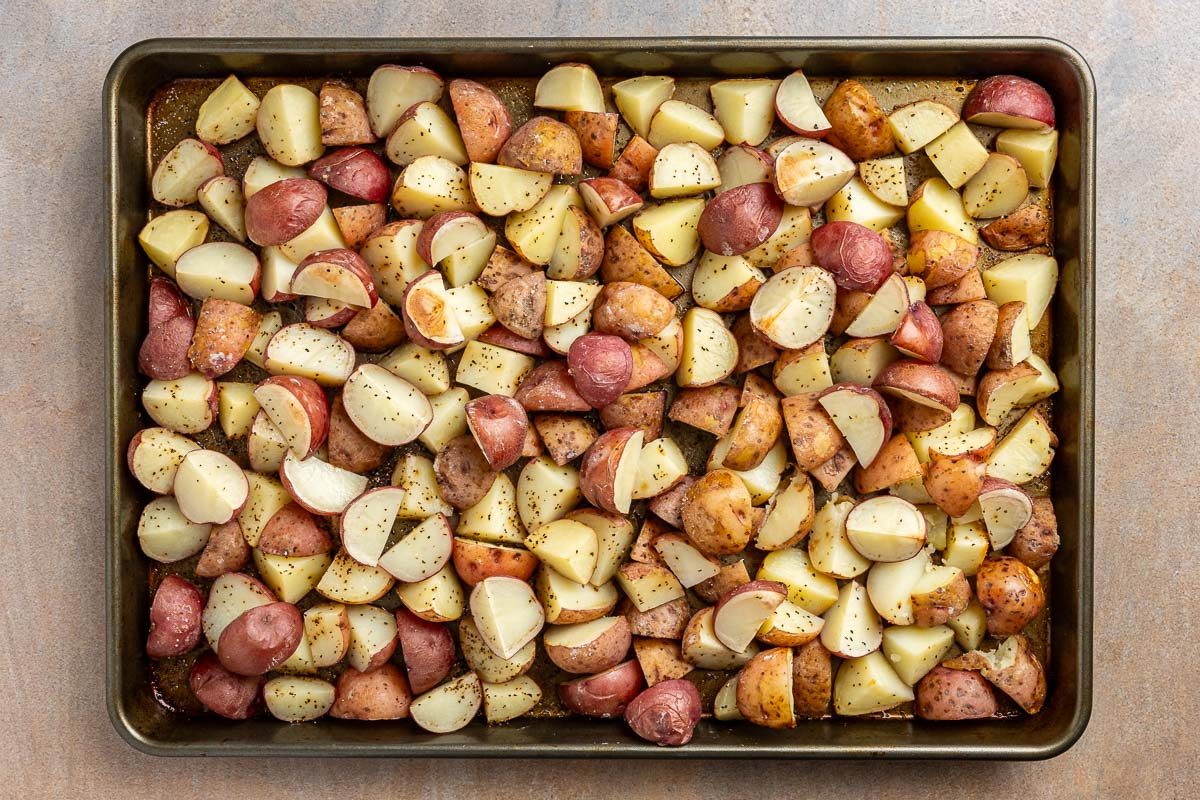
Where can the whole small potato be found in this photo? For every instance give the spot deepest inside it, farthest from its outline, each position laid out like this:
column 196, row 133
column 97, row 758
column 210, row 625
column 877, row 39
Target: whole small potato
column 174, row 618
column 717, row 515
column 740, row 219
column 498, row 424
column 261, row 639
column 1010, row 593
column 666, row 713
column 379, row 694
column 281, row 211
column 543, row 145
column 463, row 473
column 601, row 366
column 858, row 257
column 631, row 310
column 226, row 551
column 355, row 171
column 427, row 649
column 163, row 355
column 605, row 694
column 953, row 694
column 221, row 691
column 858, row 124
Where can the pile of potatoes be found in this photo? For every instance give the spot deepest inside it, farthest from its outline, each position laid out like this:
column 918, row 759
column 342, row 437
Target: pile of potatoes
column 470, row 362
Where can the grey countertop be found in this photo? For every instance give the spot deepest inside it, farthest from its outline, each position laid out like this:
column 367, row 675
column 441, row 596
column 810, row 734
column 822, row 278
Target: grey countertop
column 1143, row 738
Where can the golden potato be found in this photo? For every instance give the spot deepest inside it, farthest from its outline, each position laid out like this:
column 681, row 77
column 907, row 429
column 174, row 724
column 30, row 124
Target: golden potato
column 709, row 408
column 626, row 260
column 597, row 132
column 1010, row 593
column 859, row 126
column 940, row 258
column 375, row 329
column 812, row 680
column 543, row 145
column 642, row 410
column 565, row 436
column 224, row 332
column 631, row 310
column 1024, row 228
column 716, row 513
column 754, row 432
column 520, row 305
column 814, row 437
column 1038, row 541
column 967, row 333
column 764, row 690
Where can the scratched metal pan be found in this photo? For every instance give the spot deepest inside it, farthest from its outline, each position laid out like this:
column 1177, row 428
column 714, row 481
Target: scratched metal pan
column 132, row 82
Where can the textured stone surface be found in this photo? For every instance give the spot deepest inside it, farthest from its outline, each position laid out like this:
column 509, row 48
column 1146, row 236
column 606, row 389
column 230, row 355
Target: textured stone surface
column 1143, row 738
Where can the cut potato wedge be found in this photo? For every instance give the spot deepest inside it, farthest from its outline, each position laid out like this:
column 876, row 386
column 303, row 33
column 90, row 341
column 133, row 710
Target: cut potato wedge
column 886, row 528
column 936, row 206
column 438, row 598
column 852, row 628
column 1026, row 452
column 795, row 307
column 811, row 590
column 682, row 170
column 868, row 685
column 855, row 202
column 430, row 185
column 676, row 121
column 798, row 109
column 886, row 179
column 347, row 581
column 808, row 172
column 669, row 231
column 501, row 190
column 639, row 98
column 228, row 114
column 567, row 546
column 309, row 352
column 570, row 87
column 425, row 130
column 449, row 707
column 511, row 699
column 534, row 233
column 709, row 353
column 917, row 124
column 1036, row 150
column 289, row 124
column 1029, row 278
column 999, row 188
column 385, row 407
column 957, row 154
column 890, row 587
column 745, row 108
column 492, row 369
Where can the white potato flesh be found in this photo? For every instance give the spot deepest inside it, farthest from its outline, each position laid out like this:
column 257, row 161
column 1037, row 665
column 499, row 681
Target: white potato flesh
column 650, row 589
column 966, row 547
column 157, row 456
column 277, row 272
column 367, row 523
column 300, row 662
column 394, row 260
column 298, row 698
column 569, row 248
column 438, row 598
column 808, row 172
column 266, row 497
column 667, row 344
column 506, row 614
column 913, row 651
column 570, row 87
column 794, row 229
column 795, row 307
column 560, row 596
column 486, row 664
column 183, row 170
column 798, row 109
column 324, row 234
column 494, row 518
column 710, row 351
column 547, row 491
column 449, row 707
column 706, row 651
column 431, row 185
column 736, row 619
column 449, row 419
column 660, row 466
column 221, row 198
column 970, row 626
column 868, row 685
column 289, row 415
column 686, row 563
column 567, row 546
column 789, row 509
column 829, row 550
column 372, row 629
column 669, row 230
column 326, row 627
column 1046, row 383
column 492, row 369
column 392, row 90
column 168, row 236
column 265, row 446
column 940, row 208
column 230, row 596
column 1030, row 278
column 861, row 361
column 793, row 622
column 183, row 405
column 1005, row 509
column 957, row 154
column 885, row 178
column 725, row 703
column 223, row 270
column 289, row 124
column 917, row 124
column 745, row 107
column 291, row 577
column 999, row 188
column 347, row 581
column 676, row 121
column 566, row 300
column 886, row 528
column 1036, row 150
column 421, row 552
column 1025, row 453
column 236, row 408
column 385, row 407
column 426, row 130
column 533, row 234
column 319, row 486
column 263, row 171
column 166, row 535
column 310, row 352
column 717, row 277
column 331, row 281
column 884, row 312
column 639, row 98
column 805, row 373
column 510, row 699
column 424, row 368
column 858, row 416
column 228, row 113
column 559, row 338
column 414, row 474
column 807, row 588
column 210, row 487
column 852, row 628
column 500, row 190
column 742, row 165
column 682, row 170
column 614, row 535
column 761, row 481
column 855, row 202
column 890, row 587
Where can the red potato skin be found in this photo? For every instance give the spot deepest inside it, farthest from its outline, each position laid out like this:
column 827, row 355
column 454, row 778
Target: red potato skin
column 336, row 320
column 165, row 302
column 605, row 694
column 224, row 332
column 433, row 225
column 379, row 694
column 355, row 171
column 739, row 220
column 164, row 352
column 666, row 713
column 633, row 167
column 615, row 194
column 226, row 551
column 221, row 691
column 346, row 259
column 174, row 618
column 294, row 532
column 483, row 119
column 498, row 424
column 474, row 561
column 1012, row 95
column 858, row 258
column 549, row 387
column 503, row 337
column 930, row 380
column 601, row 365
column 598, row 470
column 280, row 212
column 427, row 649
column 312, row 397
column 946, row 694
column 408, row 305
column 348, row 447
column 261, row 639
column 919, row 334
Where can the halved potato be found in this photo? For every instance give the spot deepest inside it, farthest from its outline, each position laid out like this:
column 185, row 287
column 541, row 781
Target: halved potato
column 676, row 121
column 710, row 351
column 639, row 98
column 682, row 170
column 745, row 107
column 998, row 188
column 669, row 231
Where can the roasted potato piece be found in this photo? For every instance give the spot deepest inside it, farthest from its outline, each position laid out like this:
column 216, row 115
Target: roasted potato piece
column 940, row 258
column 660, row 659
column 1010, row 593
column 765, row 691
column 597, row 132
column 223, row 692
column 520, row 305
column 668, row 506
column 565, row 436
column 348, row 447
column 549, row 387
column 483, row 119
column 709, row 408
column 753, row 434
column 716, row 513
column 953, row 694
column 968, row 330
column 666, row 713
column 633, row 167
column 343, row 116
column 543, row 145
column 464, row 475
column 226, row 551
column 814, row 437
column 665, row 621
column 606, row 694
column 224, row 332
column 626, row 260
column 858, row 124
column 175, row 615
column 631, row 310
column 602, row 367
column 812, row 680
column 382, row 693
column 1037, row 542
column 754, row 349
column 375, row 329
column 1022, row 229
column 642, row 410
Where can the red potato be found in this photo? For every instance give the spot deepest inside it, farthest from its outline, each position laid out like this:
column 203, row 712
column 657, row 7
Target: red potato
column 483, row 119
column 609, row 467
column 224, row 332
column 221, row 691
column 858, row 257
column 281, row 211
column 261, row 639
column 954, row 482
column 428, row 315
column 210, row 487
column 379, row 694
column 340, row 275
column 1009, row 101
column 226, row 551
column 925, row 384
column 165, row 302
column 969, row 330
column 940, row 258
column 349, row 448
column 740, row 219
column 294, row 532
column 609, row 200
column 798, row 109
column 1010, row 593
column 463, row 473
column 503, row 337
column 648, row 368
column 709, row 408
column 355, row 171
column 666, row 713
column 183, row 170
column 174, row 618
column 153, row 457
column 549, row 387
column 634, row 165
column 499, row 425
column 587, row 648
column 393, row 89
column 597, row 132
column 953, row 694
column 642, row 410
column 543, row 145
column 631, row 310
column 163, row 354
column 474, row 561
column 427, row 649
column 920, row 334
column 601, row 366
column 606, row 694
column 1037, row 542
column 1022, row 229
column 343, row 116
column 298, row 409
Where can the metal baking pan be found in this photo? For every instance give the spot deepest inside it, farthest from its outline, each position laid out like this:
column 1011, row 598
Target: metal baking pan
column 131, row 82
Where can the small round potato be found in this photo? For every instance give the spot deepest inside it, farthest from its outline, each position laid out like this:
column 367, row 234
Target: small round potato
column 717, row 513
column 281, row 211
column 606, row 694
column 740, row 219
column 427, row 649
column 163, row 355
column 543, row 145
column 953, row 694
column 858, row 257
column 1011, row 594
column 1038, row 541
column 379, row 694
column 261, row 639
column 221, row 691
column 631, row 310
column 666, row 713
column 463, row 473
column 601, row 365
column 175, row 617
